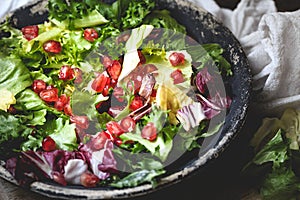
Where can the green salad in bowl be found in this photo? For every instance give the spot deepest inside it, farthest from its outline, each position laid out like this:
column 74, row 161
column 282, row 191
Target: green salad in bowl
column 106, row 94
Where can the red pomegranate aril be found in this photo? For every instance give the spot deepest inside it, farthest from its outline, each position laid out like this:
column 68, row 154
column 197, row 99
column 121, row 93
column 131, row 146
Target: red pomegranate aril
column 30, row 32
column 66, row 73
column 100, row 82
column 106, row 90
column 136, row 103
column 52, row 46
column 176, row 59
column 61, row 102
column 127, row 124
column 68, row 109
column 106, row 61
column 114, row 128
column 99, row 141
column 38, row 86
column 114, row 70
column 142, row 57
column 48, row 144
column 49, row 95
column 90, row 34
column 89, row 180
column 177, row 76
column 118, row 142
column 149, row 132
column 80, row 121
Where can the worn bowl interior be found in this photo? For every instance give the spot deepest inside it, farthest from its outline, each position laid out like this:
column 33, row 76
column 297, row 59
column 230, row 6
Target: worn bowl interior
column 204, row 28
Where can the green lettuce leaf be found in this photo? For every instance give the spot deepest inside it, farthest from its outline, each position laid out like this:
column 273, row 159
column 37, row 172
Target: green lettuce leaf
column 63, row 133
column 14, row 76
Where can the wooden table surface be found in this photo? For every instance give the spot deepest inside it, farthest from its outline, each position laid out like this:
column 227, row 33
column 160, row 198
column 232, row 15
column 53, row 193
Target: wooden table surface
column 219, row 180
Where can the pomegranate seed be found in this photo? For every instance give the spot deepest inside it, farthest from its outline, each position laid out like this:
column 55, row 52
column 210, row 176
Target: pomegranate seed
column 106, row 61
column 106, row 90
column 118, row 142
column 99, row 141
column 114, row 70
column 30, row 32
column 177, row 76
column 49, row 95
column 136, row 103
column 113, row 83
column 66, row 73
column 154, row 92
column 52, row 46
column 38, row 86
column 114, row 128
column 118, row 93
column 68, row 109
column 78, row 75
column 149, row 132
column 88, row 179
column 176, row 58
column 100, row 82
column 90, row 34
column 127, row 124
column 142, row 57
column 80, row 121
column 61, row 102
column 48, row 144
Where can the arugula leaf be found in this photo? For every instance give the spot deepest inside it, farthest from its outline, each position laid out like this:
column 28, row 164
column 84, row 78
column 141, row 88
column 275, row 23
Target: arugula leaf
column 137, row 178
column 14, row 76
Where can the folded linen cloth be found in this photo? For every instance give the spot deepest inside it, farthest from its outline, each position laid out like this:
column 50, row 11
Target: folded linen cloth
column 271, row 41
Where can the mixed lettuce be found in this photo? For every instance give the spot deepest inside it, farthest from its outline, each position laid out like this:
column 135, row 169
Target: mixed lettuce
column 82, row 149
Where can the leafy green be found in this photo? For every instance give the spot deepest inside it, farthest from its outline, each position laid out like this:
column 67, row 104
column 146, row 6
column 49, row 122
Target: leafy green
column 12, row 127
column 162, row 146
column 63, row 133
column 276, row 142
column 274, row 151
column 138, row 178
column 135, row 13
column 75, row 14
column 207, row 53
column 14, row 76
column 281, row 184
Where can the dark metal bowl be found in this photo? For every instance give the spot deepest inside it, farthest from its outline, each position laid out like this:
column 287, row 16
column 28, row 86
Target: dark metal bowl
column 204, row 28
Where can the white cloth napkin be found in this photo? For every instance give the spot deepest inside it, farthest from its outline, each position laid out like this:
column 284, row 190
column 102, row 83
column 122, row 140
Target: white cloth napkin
column 271, row 41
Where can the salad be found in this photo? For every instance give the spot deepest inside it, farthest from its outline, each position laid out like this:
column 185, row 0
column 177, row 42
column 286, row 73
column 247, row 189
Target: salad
column 105, row 94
